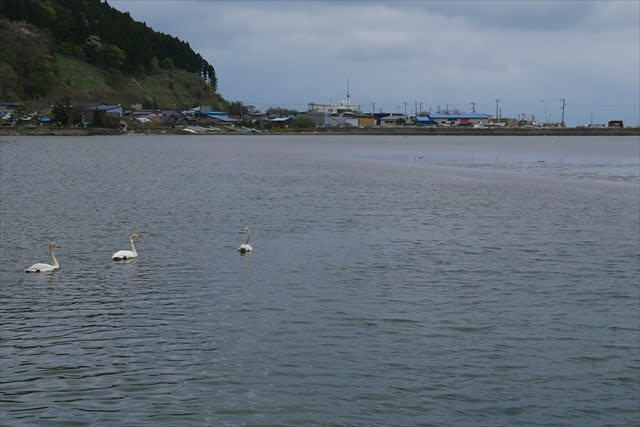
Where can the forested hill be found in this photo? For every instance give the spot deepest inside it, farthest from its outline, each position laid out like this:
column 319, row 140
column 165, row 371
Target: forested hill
column 94, row 30
column 87, row 51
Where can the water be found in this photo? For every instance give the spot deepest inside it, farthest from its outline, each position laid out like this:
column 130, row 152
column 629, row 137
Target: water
column 394, row 281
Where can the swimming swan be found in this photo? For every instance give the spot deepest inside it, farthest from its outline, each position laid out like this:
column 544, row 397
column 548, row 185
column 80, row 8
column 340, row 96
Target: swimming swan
column 246, row 247
column 122, row 255
column 41, row 267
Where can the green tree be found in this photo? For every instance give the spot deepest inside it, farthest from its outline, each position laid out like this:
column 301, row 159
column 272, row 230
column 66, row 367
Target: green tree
column 167, row 63
column 8, row 81
column 237, row 108
column 59, row 113
column 281, row 111
column 115, row 57
column 303, row 122
column 29, row 56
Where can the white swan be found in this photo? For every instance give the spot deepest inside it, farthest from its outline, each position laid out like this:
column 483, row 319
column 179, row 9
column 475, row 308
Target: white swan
column 122, row 255
column 42, row 267
column 246, row 247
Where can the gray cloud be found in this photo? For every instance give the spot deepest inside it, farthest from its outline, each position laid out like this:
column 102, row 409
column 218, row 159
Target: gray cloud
column 291, row 53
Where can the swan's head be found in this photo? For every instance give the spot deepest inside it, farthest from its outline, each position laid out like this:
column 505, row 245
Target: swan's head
column 245, row 228
column 135, row 236
column 54, row 245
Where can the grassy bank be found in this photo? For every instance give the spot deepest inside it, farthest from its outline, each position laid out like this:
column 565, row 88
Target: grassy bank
column 82, row 82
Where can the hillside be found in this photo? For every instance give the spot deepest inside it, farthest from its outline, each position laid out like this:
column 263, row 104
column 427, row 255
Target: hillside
column 87, row 51
column 171, row 89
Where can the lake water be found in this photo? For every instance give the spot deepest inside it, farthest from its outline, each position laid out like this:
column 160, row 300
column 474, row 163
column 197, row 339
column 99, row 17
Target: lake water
column 394, row 281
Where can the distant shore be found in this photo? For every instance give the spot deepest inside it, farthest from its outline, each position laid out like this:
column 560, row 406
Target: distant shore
column 408, row 131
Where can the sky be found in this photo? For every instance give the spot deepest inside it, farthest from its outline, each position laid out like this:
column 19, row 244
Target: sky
column 426, row 55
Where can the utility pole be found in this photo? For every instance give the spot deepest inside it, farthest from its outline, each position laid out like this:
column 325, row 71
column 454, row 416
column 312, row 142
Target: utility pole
column 415, row 108
column 405, row 107
column 563, row 105
column 420, row 107
column 546, row 116
column 373, row 108
column 473, row 107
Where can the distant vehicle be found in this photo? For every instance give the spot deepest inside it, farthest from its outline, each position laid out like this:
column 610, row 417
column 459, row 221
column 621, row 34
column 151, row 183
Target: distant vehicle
column 615, row 124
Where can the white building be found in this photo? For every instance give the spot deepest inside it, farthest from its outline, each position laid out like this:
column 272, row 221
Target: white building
column 342, row 107
column 395, row 121
column 460, row 119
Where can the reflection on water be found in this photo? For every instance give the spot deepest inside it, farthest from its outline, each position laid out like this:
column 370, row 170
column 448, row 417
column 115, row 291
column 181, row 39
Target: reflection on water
column 393, row 281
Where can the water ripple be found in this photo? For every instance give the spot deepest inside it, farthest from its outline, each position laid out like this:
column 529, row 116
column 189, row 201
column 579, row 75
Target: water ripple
column 383, row 290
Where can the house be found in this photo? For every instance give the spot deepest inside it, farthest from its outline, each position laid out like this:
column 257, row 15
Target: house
column 222, row 120
column 366, row 120
column 275, row 121
column 168, row 113
column 110, row 110
column 199, row 110
column 379, row 116
column 394, row 120
column 214, row 118
column 345, row 119
column 425, row 121
column 9, row 105
column 88, row 110
column 510, row 122
column 204, row 116
column 350, row 119
column 142, row 113
column 459, row 119
column 219, row 117
column 615, row 124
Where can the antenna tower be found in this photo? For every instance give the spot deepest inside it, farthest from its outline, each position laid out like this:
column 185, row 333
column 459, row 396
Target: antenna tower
column 348, row 96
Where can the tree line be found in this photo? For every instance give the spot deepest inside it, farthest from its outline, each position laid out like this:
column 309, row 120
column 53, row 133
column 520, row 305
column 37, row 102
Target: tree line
column 95, row 31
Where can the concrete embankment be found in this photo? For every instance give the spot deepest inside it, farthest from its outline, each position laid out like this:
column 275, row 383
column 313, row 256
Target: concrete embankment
column 461, row 131
column 484, row 131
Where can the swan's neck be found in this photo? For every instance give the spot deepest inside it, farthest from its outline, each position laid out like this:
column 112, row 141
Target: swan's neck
column 248, row 237
column 54, row 261
column 133, row 248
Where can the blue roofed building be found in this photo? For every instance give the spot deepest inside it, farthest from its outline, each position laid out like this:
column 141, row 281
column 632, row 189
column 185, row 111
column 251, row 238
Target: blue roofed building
column 215, row 118
column 424, row 121
column 221, row 116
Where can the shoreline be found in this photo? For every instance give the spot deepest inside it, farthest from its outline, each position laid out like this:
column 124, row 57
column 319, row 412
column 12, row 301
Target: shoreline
column 22, row 131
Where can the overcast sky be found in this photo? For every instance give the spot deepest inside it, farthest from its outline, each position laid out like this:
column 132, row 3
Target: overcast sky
column 529, row 55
